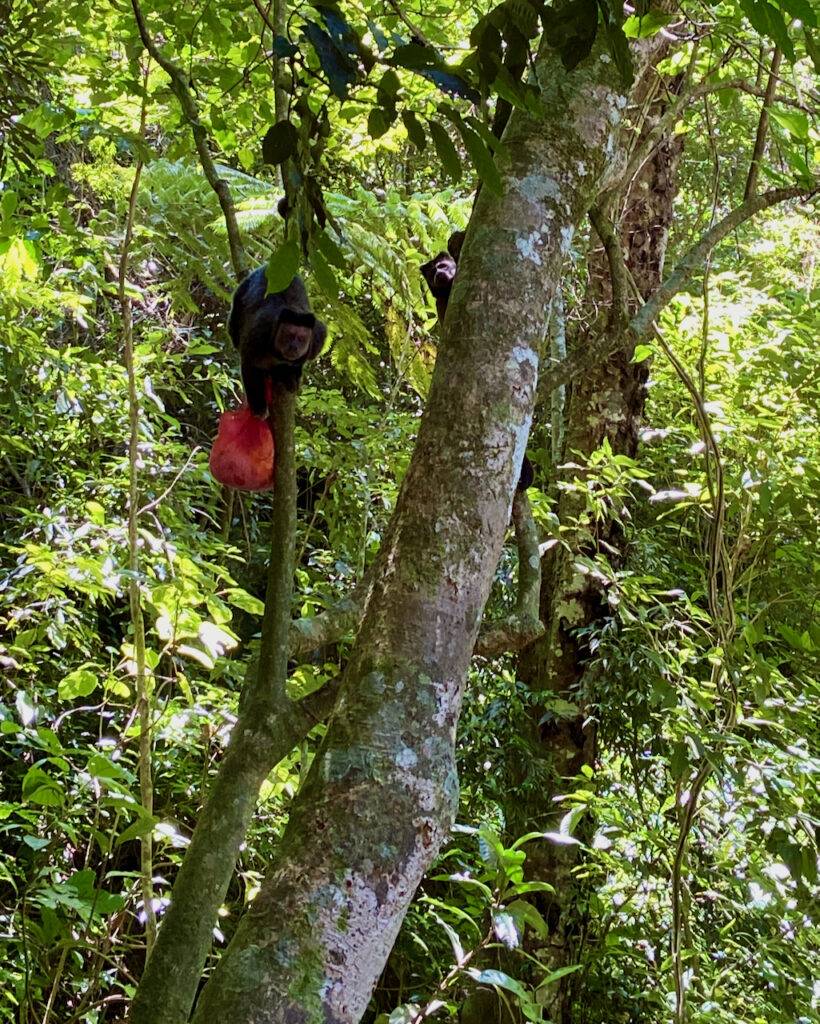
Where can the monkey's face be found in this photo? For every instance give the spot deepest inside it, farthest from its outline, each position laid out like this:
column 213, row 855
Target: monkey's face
column 292, row 343
column 439, row 273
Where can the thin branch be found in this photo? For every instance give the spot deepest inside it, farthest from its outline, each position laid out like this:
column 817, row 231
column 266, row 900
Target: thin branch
column 179, row 85
column 762, row 126
column 524, row 627
column 673, row 114
column 605, row 230
column 156, row 502
column 641, row 325
column 414, row 31
column 134, row 595
column 528, row 601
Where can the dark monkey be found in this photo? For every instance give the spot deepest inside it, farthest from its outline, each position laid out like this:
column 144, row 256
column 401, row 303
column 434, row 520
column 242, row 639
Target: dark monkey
column 275, row 335
column 440, row 272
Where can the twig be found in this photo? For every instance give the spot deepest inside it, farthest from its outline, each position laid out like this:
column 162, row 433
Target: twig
column 414, row 31
column 158, row 501
column 134, row 595
column 762, row 126
column 179, row 85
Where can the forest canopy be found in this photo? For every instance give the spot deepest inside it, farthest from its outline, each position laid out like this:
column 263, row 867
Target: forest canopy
column 501, row 703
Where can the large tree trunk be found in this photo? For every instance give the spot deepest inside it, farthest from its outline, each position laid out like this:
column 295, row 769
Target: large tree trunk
column 382, row 790
column 605, row 404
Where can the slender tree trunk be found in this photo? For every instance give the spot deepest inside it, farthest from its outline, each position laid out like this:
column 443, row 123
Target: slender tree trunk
column 382, row 790
column 605, row 404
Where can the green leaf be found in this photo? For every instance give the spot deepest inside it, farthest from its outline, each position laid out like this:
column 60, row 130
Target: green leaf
column 446, row 150
column 246, row 602
column 642, row 353
column 482, row 159
column 799, row 641
column 641, row 27
column 336, row 64
column 377, row 123
column 523, row 14
column 559, row 973
column 388, row 87
column 325, row 277
column 415, row 131
column 141, row 827
column 40, row 788
column 282, row 266
column 327, row 246
column 79, row 683
column 36, row 842
column 102, row 767
column 526, row 914
column 498, row 979
column 279, row 143
column 794, row 121
column 414, row 56
column 527, row 838
column 801, row 9
column 525, row 887
column 619, row 48
column 768, row 21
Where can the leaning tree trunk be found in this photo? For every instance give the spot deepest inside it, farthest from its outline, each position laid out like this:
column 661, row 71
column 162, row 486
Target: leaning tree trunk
column 382, row 790
column 606, row 404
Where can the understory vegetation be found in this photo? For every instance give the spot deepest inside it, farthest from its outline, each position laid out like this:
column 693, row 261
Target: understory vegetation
column 688, row 829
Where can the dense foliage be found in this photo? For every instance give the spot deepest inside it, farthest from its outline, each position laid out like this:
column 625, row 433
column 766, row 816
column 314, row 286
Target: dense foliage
column 390, row 113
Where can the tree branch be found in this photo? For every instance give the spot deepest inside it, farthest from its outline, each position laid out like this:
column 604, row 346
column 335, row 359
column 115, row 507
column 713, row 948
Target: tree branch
column 640, row 326
column 414, row 31
column 673, row 114
column 179, row 85
column 525, row 626
column 605, row 229
column 268, row 728
column 762, row 126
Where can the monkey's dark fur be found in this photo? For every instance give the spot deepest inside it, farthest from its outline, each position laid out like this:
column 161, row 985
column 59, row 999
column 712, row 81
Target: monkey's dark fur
column 275, row 334
column 440, row 272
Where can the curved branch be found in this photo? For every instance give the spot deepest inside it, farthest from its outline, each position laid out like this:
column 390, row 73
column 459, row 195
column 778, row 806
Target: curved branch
column 179, row 85
column 640, row 326
column 674, row 113
column 525, row 626
column 759, row 148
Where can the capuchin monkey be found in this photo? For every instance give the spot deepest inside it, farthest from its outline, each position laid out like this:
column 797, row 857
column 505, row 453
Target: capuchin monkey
column 275, row 334
column 440, row 272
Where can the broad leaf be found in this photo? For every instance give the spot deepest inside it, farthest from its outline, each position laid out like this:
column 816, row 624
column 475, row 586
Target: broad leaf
column 279, row 143
column 282, row 266
column 446, row 150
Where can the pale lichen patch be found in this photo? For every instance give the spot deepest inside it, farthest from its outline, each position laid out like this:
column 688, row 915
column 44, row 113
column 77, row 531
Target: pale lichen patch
column 527, row 247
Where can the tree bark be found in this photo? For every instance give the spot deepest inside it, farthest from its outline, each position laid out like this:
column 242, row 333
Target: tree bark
column 382, row 791
column 605, row 404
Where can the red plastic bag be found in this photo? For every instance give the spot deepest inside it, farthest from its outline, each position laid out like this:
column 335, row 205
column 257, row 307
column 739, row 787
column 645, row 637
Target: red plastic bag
column 242, row 455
